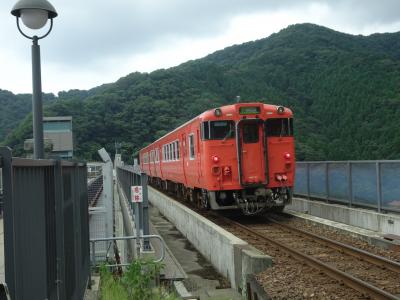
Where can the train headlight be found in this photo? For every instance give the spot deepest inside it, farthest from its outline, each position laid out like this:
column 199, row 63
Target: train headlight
column 280, row 110
column 287, row 156
column 218, row 112
column 278, row 177
column 215, row 158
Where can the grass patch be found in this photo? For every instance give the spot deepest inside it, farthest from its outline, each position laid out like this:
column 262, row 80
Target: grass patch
column 137, row 282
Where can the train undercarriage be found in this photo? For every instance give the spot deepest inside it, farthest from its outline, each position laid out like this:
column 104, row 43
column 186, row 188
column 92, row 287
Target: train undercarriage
column 250, row 200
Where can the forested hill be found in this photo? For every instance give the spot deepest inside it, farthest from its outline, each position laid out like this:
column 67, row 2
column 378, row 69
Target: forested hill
column 13, row 108
column 343, row 89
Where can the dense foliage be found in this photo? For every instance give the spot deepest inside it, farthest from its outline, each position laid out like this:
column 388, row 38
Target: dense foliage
column 343, row 89
column 14, row 108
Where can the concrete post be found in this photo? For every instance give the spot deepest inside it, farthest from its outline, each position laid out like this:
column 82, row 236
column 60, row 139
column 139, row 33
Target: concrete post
column 108, row 191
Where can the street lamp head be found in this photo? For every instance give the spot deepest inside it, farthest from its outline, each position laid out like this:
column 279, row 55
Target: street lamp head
column 34, row 13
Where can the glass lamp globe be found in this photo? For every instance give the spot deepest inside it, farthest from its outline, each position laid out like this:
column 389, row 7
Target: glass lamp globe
column 34, row 18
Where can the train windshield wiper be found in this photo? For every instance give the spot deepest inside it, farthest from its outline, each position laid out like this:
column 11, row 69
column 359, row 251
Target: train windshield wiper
column 228, row 134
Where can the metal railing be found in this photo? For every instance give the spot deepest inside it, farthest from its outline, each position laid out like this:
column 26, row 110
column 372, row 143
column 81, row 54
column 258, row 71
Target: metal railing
column 125, row 238
column 46, row 235
column 128, row 176
column 95, row 187
column 101, row 201
column 372, row 184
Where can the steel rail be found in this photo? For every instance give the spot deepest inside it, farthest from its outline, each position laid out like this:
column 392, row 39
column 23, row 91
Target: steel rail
column 356, row 252
column 349, row 280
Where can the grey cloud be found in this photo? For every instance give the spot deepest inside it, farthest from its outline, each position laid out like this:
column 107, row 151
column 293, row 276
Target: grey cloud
column 88, row 32
column 95, row 30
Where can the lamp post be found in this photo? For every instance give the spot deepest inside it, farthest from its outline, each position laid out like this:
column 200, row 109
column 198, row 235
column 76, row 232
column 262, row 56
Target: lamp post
column 34, row 15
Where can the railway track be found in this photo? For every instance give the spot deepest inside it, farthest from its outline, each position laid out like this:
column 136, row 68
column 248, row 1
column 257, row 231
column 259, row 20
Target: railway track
column 316, row 252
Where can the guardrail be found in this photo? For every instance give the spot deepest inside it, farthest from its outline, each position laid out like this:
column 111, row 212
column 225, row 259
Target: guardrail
column 46, row 234
column 127, row 177
column 125, row 238
column 372, row 184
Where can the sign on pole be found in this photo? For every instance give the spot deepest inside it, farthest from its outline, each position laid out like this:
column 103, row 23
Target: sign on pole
column 136, row 194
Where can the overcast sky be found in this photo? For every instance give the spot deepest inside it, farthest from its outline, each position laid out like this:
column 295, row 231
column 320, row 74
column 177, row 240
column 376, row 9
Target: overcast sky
column 98, row 41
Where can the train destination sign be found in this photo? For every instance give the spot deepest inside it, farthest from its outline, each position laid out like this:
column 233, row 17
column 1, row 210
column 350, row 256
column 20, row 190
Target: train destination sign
column 136, row 194
column 249, row 110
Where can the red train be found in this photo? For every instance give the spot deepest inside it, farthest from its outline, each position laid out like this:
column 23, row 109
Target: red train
column 235, row 156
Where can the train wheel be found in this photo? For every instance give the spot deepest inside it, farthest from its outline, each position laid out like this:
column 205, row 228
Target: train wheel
column 193, row 196
column 204, row 199
column 186, row 194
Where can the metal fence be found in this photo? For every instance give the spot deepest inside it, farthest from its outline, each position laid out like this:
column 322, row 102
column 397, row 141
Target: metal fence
column 95, row 187
column 372, row 184
column 46, row 237
column 101, row 201
column 128, row 176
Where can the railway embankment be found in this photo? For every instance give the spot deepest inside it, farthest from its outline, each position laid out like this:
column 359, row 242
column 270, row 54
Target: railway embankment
column 230, row 255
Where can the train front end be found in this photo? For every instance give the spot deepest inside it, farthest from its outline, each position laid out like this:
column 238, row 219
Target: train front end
column 256, row 171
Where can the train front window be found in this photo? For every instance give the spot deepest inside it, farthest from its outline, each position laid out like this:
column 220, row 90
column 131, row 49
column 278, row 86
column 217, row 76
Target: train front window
column 279, row 127
column 218, row 130
column 250, row 133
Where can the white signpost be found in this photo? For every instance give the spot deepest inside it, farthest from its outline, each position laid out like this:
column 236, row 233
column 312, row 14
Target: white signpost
column 137, row 194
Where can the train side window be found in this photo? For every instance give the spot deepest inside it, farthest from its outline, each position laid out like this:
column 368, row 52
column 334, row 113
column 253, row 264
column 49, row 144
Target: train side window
column 191, row 147
column 177, row 150
column 164, row 153
column 205, row 130
column 279, row 127
column 250, row 133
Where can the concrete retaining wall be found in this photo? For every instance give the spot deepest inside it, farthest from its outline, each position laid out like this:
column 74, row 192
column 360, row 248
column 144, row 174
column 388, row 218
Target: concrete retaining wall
column 363, row 218
column 231, row 256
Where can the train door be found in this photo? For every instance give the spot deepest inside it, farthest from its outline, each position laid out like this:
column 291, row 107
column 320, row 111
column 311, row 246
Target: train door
column 251, row 152
column 156, row 162
column 184, row 157
column 199, row 173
